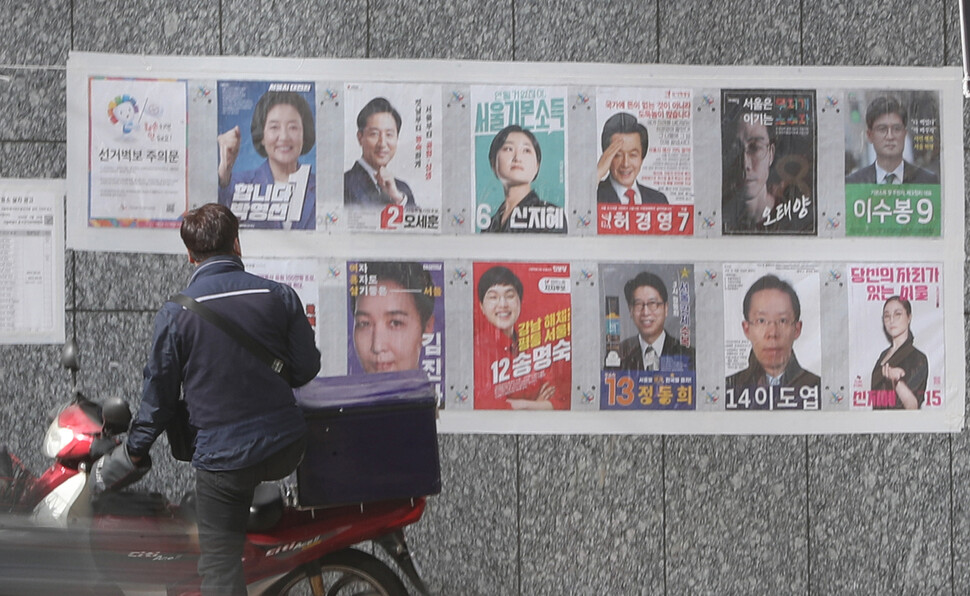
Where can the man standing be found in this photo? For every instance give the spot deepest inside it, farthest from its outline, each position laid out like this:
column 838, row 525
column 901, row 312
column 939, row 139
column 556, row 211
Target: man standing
column 652, row 348
column 886, row 121
column 249, row 426
column 624, row 142
column 369, row 183
column 772, row 324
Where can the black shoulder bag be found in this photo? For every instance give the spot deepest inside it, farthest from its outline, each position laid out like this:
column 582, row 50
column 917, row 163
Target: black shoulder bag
column 181, row 434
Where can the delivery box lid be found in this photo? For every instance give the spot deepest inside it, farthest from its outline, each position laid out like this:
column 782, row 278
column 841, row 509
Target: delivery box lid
column 390, row 389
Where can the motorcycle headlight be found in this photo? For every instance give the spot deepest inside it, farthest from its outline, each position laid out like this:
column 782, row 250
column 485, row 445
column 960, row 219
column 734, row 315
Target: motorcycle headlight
column 56, row 439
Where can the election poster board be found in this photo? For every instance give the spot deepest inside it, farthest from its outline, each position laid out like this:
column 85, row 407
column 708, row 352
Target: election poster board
column 892, row 163
column 267, row 153
column 137, row 160
column 896, row 343
column 648, row 336
column 523, row 337
column 392, row 157
column 519, row 159
column 760, row 171
column 768, row 140
column 396, row 319
column 31, row 261
column 645, row 164
column 772, row 339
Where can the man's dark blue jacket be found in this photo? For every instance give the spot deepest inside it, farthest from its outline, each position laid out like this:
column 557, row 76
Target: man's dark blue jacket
column 244, row 411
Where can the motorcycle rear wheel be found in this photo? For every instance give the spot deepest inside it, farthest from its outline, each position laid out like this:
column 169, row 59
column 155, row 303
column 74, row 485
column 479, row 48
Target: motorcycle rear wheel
column 348, row 572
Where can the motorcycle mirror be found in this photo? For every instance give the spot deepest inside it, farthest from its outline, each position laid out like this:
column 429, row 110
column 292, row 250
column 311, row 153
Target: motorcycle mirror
column 115, row 414
column 69, row 356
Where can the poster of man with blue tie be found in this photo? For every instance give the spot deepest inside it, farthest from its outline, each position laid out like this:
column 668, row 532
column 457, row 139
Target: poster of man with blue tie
column 892, row 163
column 648, row 336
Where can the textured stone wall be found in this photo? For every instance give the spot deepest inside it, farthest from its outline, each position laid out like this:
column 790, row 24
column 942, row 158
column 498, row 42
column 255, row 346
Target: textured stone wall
column 532, row 514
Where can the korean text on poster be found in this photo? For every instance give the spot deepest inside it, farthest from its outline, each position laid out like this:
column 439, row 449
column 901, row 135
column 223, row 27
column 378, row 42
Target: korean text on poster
column 648, row 337
column 644, row 153
column 31, row 262
column 896, row 335
column 772, row 341
column 519, row 159
column 396, row 318
column 137, row 156
column 393, row 157
column 523, row 336
column 768, row 144
column 267, row 153
column 892, row 163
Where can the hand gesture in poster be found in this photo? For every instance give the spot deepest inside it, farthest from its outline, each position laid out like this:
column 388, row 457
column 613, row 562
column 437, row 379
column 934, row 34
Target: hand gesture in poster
column 228, row 152
column 893, row 373
column 542, row 400
column 603, row 166
column 388, row 184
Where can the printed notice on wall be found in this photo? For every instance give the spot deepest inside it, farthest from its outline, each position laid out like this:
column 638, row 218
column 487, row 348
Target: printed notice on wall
column 137, row 160
column 31, row 261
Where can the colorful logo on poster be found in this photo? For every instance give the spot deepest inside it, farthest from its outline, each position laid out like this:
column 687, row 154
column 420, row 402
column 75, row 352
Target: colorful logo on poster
column 122, row 110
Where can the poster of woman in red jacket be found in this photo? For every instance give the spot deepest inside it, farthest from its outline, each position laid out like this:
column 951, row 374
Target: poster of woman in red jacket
column 523, row 336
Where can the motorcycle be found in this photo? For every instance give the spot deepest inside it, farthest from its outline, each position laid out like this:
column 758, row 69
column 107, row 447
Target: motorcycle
column 138, row 542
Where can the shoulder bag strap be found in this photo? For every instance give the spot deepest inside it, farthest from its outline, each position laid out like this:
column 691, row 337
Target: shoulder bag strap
column 236, row 332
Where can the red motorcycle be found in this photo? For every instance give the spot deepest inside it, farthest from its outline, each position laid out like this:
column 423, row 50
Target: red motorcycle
column 138, row 542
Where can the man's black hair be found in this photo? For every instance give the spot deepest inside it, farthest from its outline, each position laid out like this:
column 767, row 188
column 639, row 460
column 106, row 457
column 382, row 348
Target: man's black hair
column 208, row 231
column 883, row 105
column 623, row 123
column 772, row 282
column 644, row 278
column 378, row 105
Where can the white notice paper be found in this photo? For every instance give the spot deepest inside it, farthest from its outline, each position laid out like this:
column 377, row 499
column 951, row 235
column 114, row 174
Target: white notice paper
column 31, row 261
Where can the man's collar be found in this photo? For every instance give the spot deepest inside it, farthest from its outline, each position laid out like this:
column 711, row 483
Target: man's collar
column 657, row 345
column 792, row 367
column 367, row 168
column 217, row 263
column 620, row 190
column 881, row 173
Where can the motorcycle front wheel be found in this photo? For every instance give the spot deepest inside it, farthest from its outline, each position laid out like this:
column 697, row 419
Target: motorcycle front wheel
column 348, row 572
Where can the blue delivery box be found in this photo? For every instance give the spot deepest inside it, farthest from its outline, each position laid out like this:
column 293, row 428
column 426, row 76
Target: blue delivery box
column 371, row 438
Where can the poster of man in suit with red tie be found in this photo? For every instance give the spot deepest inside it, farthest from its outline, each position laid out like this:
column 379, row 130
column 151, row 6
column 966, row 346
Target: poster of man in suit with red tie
column 644, row 164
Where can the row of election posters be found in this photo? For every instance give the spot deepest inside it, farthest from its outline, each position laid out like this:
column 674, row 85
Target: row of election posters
column 507, row 164
column 649, row 349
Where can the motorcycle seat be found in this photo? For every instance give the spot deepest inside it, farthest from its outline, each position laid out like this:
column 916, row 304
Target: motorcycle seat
column 267, row 507
column 264, row 512
column 131, row 504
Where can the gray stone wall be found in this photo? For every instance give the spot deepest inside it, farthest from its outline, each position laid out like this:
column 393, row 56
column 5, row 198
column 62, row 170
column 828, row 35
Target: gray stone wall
column 531, row 515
